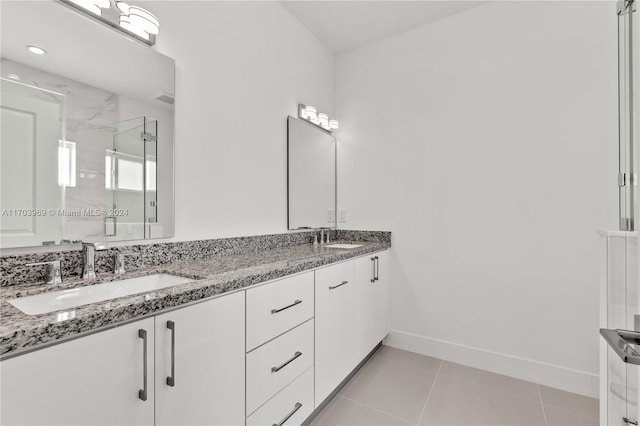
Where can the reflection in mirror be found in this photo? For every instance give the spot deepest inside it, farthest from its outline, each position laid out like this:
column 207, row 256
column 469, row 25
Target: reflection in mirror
column 311, row 176
column 31, row 136
column 86, row 145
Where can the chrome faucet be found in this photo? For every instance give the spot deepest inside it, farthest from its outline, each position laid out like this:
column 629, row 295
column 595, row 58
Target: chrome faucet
column 118, row 262
column 89, row 260
column 54, row 271
column 324, row 239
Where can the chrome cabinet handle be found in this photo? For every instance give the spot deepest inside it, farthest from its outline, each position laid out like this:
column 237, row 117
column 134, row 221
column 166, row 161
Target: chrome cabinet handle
column 297, row 302
column 142, row 393
column 339, row 285
column 373, row 272
column 619, row 340
column 629, row 422
column 287, row 362
column 171, row 380
column 377, row 263
column 288, row 416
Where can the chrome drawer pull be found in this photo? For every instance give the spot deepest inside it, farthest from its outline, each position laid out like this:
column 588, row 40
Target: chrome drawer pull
column 142, row 393
column 373, row 273
column 276, row 369
column 377, row 262
column 339, row 285
column 297, row 302
column 171, row 380
column 288, row 416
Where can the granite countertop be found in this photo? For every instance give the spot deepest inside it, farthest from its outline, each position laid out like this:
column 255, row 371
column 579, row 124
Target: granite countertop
column 212, row 276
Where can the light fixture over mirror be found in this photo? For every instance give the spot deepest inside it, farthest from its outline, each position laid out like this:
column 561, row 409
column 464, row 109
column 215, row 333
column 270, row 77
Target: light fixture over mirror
column 320, row 119
column 131, row 20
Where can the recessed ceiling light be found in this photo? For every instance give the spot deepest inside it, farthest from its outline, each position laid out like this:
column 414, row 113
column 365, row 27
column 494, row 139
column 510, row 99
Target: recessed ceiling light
column 37, row 50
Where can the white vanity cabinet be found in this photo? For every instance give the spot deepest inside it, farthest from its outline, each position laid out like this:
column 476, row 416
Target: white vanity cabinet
column 335, row 328
column 280, row 351
column 94, row 380
column 199, row 371
column 267, row 355
column 371, row 302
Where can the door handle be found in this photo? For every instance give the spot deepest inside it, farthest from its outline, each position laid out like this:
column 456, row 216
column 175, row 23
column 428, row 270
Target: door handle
column 373, row 269
column 621, row 342
column 142, row 393
column 377, row 262
column 171, row 380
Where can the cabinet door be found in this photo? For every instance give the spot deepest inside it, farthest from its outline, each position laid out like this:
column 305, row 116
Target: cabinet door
column 205, row 345
column 335, row 355
column 371, row 303
column 382, row 296
column 94, row 380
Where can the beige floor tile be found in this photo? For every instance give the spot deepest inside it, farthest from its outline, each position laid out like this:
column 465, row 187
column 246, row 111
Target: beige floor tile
column 391, row 387
column 495, row 381
column 570, row 401
column 561, row 417
column 460, row 403
column 409, row 358
column 343, row 412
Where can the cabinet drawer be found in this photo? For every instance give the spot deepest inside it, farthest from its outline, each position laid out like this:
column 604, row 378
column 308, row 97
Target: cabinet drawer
column 276, row 364
column 295, row 400
column 277, row 307
column 335, row 278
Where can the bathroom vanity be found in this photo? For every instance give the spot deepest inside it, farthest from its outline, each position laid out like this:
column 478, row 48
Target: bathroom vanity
column 260, row 337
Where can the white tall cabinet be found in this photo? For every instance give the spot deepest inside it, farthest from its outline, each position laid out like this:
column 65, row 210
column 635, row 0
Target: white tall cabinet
column 371, row 302
column 94, row 380
column 335, row 327
column 204, row 344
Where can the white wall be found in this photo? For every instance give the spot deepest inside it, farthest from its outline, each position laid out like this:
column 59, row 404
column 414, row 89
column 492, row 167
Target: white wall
column 487, row 143
column 241, row 68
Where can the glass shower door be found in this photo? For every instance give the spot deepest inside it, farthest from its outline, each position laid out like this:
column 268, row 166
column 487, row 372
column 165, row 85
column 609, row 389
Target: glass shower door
column 130, row 179
column 623, row 323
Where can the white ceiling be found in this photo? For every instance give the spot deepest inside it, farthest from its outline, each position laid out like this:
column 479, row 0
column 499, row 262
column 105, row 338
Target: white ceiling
column 346, row 25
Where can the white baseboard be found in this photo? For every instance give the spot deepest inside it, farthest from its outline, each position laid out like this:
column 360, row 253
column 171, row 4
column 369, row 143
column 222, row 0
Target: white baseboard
column 580, row 382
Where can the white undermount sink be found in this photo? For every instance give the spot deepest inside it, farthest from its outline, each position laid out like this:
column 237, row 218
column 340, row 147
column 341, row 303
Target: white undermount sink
column 67, row 299
column 344, row 246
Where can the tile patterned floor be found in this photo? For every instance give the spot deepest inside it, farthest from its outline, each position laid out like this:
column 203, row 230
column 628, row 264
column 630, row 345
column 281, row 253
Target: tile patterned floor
column 396, row 387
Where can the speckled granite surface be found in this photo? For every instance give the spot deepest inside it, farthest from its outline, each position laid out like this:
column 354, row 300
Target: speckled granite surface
column 13, row 269
column 212, row 274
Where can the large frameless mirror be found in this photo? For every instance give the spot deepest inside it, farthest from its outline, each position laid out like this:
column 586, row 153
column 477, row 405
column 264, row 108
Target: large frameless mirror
column 311, row 176
column 87, row 130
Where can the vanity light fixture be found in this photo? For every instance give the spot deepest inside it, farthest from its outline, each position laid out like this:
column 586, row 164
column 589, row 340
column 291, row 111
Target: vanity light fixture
column 134, row 21
column 310, row 114
column 138, row 20
column 36, row 50
column 93, row 6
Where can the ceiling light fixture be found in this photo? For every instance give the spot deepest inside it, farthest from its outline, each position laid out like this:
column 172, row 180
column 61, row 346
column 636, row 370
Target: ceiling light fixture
column 36, row 50
column 310, row 114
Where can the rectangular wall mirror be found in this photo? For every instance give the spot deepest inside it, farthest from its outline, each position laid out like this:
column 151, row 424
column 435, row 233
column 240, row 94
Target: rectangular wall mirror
column 86, row 145
column 311, row 176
